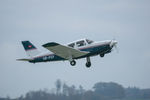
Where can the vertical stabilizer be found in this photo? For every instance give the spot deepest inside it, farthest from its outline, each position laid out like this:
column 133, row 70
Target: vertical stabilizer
column 30, row 49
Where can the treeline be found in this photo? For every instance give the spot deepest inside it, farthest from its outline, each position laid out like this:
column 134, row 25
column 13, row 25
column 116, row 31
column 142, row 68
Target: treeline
column 100, row 91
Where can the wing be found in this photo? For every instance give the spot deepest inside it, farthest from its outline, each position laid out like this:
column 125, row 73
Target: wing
column 64, row 51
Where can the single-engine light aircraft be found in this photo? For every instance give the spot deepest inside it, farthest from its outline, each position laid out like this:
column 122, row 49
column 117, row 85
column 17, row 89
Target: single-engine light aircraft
column 83, row 48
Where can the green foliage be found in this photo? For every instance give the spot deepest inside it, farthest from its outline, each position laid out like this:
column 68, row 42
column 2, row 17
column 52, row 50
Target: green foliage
column 136, row 93
column 109, row 90
column 100, row 91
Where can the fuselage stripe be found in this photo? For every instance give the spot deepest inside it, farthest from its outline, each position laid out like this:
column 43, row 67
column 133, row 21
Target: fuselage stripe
column 88, row 47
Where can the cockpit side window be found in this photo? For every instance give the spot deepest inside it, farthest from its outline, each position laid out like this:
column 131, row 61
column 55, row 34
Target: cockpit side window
column 71, row 45
column 89, row 41
column 80, row 43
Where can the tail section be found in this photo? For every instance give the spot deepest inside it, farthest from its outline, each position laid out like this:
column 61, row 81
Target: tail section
column 30, row 49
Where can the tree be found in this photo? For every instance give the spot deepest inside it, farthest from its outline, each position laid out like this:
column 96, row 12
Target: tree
column 136, row 93
column 72, row 90
column 110, row 90
column 58, row 86
column 145, row 93
column 65, row 89
column 132, row 92
column 81, row 90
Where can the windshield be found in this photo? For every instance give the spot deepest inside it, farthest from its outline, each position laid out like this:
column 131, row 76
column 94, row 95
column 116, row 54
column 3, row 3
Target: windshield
column 89, row 41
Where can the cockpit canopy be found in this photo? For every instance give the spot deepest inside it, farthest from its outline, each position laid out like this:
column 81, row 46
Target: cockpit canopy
column 89, row 41
column 80, row 43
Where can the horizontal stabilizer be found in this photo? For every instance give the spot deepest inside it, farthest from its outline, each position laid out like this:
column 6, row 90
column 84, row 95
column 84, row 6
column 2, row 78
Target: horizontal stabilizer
column 24, row 59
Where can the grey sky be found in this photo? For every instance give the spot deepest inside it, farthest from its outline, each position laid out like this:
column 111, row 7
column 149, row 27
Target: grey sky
column 62, row 21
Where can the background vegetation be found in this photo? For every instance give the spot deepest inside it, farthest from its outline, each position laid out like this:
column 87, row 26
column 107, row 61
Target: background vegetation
column 100, row 91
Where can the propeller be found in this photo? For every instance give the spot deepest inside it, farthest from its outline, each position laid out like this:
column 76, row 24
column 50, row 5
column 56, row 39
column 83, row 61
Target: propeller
column 116, row 48
column 113, row 43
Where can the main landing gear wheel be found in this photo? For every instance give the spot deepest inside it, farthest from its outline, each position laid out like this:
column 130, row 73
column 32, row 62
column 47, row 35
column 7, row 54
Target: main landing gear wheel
column 102, row 55
column 73, row 63
column 88, row 64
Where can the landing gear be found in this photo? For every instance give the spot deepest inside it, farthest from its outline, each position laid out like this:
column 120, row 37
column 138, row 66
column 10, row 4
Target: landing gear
column 73, row 62
column 102, row 55
column 88, row 63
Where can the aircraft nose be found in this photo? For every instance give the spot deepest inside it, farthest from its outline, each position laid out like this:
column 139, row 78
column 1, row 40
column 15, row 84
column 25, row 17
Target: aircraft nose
column 113, row 43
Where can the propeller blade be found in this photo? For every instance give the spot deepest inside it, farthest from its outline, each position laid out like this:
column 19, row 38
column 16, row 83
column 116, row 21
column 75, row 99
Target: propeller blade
column 111, row 43
column 116, row 48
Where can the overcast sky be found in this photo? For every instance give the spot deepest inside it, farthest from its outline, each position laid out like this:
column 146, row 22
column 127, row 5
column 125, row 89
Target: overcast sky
column 63, row 21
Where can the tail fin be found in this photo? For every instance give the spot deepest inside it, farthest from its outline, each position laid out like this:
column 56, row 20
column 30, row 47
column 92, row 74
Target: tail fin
column 30, row 49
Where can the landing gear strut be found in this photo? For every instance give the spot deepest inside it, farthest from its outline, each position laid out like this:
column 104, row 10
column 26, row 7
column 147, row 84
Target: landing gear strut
column 88, row 63
column 73, row 62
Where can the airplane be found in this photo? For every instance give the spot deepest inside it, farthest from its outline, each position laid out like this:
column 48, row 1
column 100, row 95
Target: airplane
column 83, row 48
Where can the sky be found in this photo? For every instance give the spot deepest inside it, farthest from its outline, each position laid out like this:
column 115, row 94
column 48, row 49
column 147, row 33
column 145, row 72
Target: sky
column 63, row 21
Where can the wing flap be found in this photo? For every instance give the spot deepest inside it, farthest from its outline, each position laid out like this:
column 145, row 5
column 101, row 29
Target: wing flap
column 64, row 51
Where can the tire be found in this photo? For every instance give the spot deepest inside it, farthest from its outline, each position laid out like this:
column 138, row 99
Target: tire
column 88, row 64
column 73, row 63
column 102, row 55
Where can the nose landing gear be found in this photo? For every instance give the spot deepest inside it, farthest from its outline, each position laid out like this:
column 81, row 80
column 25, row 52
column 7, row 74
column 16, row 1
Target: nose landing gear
column 102, row 55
